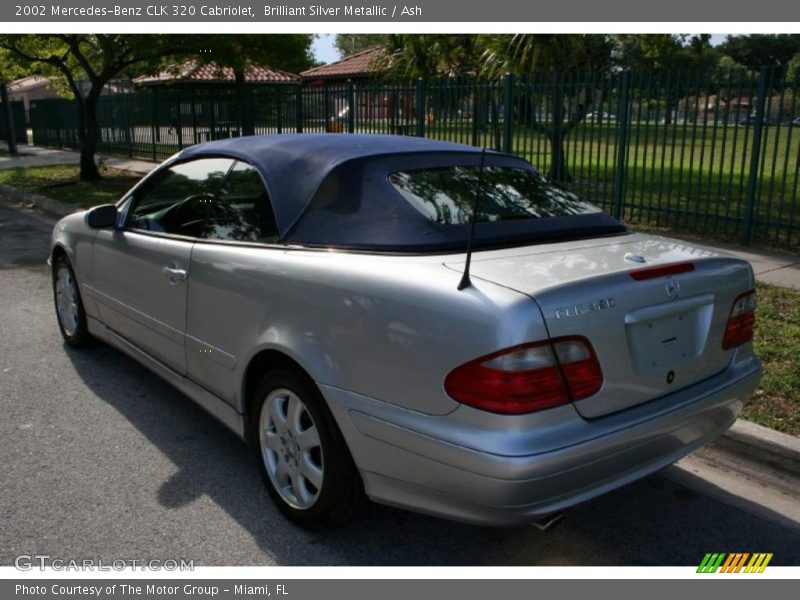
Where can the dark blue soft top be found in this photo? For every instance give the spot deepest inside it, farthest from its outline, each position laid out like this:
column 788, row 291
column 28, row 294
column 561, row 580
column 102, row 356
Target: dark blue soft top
column 358, row 208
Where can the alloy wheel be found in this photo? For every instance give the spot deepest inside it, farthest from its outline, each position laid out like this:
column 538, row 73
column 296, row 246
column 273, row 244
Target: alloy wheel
column 291, row 449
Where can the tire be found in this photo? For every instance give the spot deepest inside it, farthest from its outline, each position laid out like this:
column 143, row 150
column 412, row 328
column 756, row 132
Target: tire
column 313, row 484
column 70, row 314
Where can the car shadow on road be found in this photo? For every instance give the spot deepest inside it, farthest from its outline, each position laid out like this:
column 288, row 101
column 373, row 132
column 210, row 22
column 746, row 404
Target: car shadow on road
column 651, row 522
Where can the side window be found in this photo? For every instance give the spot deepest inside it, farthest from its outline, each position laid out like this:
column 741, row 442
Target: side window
column 182, row 198
column 249, row 216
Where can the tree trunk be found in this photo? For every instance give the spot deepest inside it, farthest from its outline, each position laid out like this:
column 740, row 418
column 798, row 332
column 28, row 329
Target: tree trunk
column 8, row 118
column 87, row 136
column 558, row 159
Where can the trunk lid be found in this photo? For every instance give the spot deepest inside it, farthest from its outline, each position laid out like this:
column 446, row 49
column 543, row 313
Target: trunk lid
column 652, row 336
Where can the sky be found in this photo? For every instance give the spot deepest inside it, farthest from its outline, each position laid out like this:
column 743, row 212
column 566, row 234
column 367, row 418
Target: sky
column 324, row 50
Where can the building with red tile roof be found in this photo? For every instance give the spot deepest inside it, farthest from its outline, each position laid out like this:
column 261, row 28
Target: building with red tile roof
column 195, row 72
column 355, row 66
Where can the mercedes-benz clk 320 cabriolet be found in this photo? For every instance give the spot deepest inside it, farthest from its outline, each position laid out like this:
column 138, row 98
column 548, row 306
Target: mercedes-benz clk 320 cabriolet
column 310, row 292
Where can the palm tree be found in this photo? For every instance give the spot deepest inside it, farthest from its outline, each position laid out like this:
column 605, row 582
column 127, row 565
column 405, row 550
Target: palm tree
column 558, row 55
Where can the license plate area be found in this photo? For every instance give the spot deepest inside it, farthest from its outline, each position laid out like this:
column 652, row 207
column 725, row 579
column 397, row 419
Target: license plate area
column 663, row 337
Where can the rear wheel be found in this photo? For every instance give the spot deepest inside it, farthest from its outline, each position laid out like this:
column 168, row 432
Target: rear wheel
column 305, row 462
column 69, row 306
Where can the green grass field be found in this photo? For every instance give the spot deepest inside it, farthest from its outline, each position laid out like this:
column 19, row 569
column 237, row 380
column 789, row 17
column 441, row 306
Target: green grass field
column 777, row 342
column 61, row 183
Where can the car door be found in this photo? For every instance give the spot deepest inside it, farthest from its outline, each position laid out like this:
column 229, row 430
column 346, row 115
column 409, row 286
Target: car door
column 141, row 271
column 232, row 282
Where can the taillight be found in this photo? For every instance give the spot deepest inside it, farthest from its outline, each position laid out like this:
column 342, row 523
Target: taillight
column 529, row 377
column 741, row 321
column 661, row 271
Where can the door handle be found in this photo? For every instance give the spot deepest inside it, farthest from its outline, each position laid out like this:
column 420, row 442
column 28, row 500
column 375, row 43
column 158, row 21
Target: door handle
column 174, row 274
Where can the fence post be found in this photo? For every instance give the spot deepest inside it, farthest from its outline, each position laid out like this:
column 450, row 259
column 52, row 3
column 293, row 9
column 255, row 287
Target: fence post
column 755, row 157
column 351, row 101
column 476, row 103
column 508, row 100
column 153, row 120
column 179, row 120
column 194, row 116
column 298, row 109
column 129, row 137
column 280, row 109
column 620, row 168
column 421, row 112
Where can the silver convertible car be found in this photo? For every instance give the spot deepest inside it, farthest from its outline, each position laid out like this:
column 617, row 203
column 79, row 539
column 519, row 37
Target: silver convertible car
column 427, row 324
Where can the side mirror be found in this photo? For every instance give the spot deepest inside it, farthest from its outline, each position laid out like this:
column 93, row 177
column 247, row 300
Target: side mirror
column 102, row 216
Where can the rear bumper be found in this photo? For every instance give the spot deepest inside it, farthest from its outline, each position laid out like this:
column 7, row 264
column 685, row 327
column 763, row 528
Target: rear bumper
column 464, row 474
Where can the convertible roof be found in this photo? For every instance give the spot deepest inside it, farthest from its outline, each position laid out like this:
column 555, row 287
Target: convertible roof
column 333, row 190
column 294, row 165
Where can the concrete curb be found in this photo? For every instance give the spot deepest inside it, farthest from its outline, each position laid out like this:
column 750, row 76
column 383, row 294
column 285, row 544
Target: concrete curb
column 755, row 443
column 48, row 205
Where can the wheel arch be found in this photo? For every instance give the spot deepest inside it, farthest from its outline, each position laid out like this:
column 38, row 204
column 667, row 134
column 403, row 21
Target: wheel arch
column 57, row 251
column 263, row 361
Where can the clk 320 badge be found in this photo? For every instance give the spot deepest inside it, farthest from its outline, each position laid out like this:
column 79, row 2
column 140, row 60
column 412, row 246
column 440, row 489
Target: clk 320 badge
column 581, row 309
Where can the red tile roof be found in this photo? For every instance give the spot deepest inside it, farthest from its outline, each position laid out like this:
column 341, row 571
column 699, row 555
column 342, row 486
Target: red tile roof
column 193, row 71
column 356, row 65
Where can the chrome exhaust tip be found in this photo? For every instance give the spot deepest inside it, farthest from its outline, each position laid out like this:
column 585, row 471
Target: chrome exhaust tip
column 548, row 522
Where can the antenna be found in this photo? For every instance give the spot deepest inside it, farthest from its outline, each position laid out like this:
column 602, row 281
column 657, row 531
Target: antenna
column 465, row 280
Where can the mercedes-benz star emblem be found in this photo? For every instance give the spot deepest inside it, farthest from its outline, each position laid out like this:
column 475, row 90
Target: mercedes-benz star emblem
column 673, row 288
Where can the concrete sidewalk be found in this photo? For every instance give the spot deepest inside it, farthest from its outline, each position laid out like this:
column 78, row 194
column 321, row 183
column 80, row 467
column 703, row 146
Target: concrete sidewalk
column 776, row 268
column 34, row 156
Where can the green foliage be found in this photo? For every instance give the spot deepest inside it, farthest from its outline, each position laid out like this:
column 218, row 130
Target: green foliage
column 351, row 43
column 529, row 53
column 762, row 50
column 428, row 56
column 77, row 58
column 661, row 51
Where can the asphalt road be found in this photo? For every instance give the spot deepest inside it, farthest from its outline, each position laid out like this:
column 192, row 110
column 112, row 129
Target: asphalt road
column 101, row 459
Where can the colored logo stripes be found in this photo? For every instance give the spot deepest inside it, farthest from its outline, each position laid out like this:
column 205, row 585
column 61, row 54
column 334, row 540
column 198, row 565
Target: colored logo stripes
column 734, row 562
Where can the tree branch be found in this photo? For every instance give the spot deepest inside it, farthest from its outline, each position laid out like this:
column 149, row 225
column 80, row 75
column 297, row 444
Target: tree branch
column 53, row 61
column 73, row 43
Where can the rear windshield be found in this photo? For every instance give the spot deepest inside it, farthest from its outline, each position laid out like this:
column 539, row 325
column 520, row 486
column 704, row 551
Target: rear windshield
column 423, row 202
column 446, row 195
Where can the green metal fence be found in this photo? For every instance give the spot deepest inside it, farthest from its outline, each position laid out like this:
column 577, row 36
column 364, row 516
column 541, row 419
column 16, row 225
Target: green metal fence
column 710, row 154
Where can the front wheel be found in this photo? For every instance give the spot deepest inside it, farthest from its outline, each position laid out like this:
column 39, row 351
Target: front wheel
column 306, row 464
column 69, row 306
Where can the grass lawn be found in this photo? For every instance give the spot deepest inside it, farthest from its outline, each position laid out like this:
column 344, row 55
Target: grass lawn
column 61, row 182
column 777, row 402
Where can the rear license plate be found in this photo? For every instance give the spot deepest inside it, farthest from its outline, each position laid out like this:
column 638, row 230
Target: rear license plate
column 660, row 344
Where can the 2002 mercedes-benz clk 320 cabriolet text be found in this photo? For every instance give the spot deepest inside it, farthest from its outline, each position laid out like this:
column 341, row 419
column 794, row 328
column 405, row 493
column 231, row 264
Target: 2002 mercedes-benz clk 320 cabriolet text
column 312, row 293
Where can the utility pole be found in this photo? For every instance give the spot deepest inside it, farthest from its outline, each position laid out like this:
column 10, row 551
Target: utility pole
column 11, row 138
